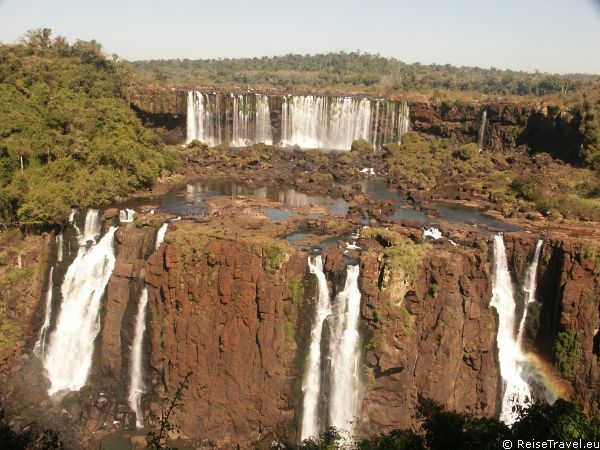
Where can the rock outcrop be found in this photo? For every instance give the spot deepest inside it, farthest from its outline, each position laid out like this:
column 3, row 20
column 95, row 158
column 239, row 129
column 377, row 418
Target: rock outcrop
column 226, row 312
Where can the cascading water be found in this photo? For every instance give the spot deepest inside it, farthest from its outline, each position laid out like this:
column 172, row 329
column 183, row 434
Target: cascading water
column 310, row 121
column 40, row 345
column 71, row 345
column 91, row 227
column 136, row 383
column 126, row 215
column 482, row 130
column 517, row 392
column 236, row 119
column 160, row 235
column 59, row 246
column 345, row 353
column 311, row 384
column 530, row 287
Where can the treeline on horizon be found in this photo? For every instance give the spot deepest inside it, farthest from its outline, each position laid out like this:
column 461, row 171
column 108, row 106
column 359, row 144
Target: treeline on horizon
column 67, row 135
column 362, row 71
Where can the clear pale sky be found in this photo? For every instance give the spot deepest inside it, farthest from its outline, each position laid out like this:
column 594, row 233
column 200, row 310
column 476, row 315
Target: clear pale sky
column 548, row 35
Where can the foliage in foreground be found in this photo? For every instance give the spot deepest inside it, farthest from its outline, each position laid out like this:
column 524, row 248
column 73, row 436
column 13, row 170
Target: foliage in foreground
column 67, row 136
column 440, row 430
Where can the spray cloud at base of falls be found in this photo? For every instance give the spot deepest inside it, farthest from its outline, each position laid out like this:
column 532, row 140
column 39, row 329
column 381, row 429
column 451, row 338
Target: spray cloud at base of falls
column 342, row 359
column 136, row 382
column 517, row 392
column 70, row 349
column 309, row 121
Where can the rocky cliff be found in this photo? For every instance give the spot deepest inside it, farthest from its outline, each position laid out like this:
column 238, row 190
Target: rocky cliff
column 235, row 312
column 550, row 129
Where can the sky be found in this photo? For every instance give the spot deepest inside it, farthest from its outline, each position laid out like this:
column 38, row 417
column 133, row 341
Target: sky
column 556, row 36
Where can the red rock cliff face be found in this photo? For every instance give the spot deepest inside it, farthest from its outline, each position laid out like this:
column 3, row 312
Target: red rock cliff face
column 221, row 311
column 569, row 289
column 436, row 341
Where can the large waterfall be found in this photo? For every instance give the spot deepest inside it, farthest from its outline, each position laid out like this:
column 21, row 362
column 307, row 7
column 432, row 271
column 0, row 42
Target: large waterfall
column 40, row 344
column 136, row 382
column 310, row 121
column 237, row 119
column 343, row 355
column 311, row 385
column 517, row 392
column 70, row 349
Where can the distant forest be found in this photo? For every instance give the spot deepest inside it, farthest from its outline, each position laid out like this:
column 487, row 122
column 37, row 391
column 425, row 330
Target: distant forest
column 366, row 73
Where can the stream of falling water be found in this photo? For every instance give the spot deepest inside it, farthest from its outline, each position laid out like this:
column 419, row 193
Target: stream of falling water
column 136, row 383
column 68, row 358
column 40, row 345
column 311, row 385
column 530, row 287
column 343, row 356
column 517, row 392
column 481, row 134
column 345, row 353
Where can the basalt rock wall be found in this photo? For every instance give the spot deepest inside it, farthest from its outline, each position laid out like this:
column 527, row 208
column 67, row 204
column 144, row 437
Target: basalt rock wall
column 544, row 128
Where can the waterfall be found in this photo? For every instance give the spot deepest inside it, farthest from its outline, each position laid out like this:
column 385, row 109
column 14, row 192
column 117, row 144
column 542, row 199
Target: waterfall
column 71, row 345
column 311, row 384
column 160, row 235
column 126, row 215
column 530, row 287
column 91, row 228
column 136, row 383
column 59, row 246
column 345, row 353
column 236, row 119
column 517, row 392
column 310, row 121
column 40, row 345
column 482, row 130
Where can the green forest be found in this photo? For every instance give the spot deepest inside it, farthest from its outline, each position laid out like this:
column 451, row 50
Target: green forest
column 367, row 73
column 67, row 135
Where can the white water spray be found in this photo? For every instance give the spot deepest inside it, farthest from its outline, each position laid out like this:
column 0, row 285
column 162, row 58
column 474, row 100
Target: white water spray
column 71, row 345
column 40, row 345
column 517, row 392
column 345, row 354
column 311, row 384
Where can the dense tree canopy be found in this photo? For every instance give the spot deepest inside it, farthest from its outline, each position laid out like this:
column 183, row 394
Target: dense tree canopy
column 67, row 136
